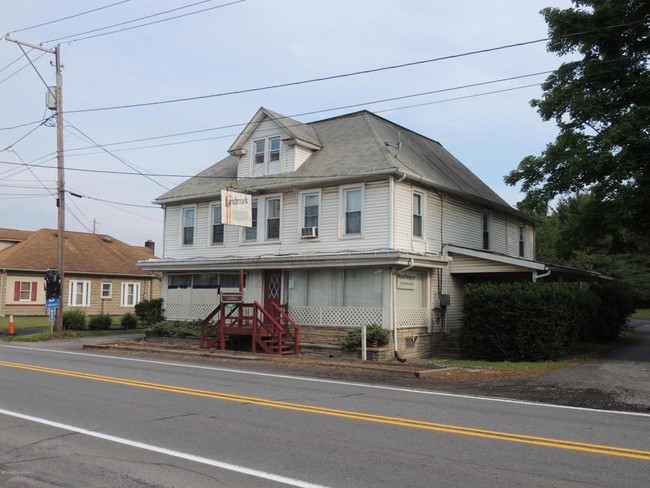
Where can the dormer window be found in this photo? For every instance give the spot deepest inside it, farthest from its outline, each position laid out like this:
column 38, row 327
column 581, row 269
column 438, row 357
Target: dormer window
column 274, row 149
column 267, row 150
column 260, row 150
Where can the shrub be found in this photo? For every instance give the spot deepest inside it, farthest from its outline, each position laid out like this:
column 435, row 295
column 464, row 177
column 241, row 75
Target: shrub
column 74, row 320
column 150, row 312
column 129, row 321
column 100, row 322
column 173, row 328
column 525, row 321
column 376, row 336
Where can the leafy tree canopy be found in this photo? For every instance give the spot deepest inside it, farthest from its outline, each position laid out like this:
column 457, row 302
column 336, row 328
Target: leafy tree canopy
column 601, row 104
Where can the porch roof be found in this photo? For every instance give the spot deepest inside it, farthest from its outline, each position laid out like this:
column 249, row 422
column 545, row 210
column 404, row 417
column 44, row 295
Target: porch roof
column 299, row 261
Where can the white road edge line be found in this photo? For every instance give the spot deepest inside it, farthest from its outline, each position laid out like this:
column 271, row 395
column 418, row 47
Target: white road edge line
column 339, row 382
column 169, row 452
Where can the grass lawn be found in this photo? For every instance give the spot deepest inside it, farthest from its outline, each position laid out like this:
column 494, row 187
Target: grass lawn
column 34, row 322
column 25, row 322
column 642, row 313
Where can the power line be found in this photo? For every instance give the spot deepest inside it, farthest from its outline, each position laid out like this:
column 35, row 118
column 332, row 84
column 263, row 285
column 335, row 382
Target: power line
column 26, row 135
column 22, row 68
column 129, row 165
column 49, row 155
column 312, row 80
column 68, row 17
column 146, row 24
column 341, row 75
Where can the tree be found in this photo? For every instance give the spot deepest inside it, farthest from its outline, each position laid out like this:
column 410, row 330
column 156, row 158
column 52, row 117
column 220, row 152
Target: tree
column 601, row 104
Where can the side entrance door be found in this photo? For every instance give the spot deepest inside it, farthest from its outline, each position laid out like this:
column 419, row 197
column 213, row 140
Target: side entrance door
column 272, row 290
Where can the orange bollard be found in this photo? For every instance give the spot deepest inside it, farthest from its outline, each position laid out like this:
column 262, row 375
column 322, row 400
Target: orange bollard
column 11, row 325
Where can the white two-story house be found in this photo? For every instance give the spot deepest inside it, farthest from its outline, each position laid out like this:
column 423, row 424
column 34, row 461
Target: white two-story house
column 355, row 221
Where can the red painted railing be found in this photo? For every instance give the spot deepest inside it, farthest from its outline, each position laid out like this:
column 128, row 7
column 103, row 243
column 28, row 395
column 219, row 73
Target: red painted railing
column 273, row 333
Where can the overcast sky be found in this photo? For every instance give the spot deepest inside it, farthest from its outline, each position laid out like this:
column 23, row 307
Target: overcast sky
column 245, row 45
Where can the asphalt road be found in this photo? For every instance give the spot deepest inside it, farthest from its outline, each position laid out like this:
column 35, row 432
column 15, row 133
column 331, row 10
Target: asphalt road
column 84, row 420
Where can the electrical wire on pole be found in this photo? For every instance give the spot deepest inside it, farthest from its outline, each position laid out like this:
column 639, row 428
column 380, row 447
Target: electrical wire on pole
column 60, row 201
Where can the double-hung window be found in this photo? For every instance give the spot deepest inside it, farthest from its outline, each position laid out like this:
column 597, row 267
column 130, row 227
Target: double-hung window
column 522, row 237
column 130, row 294
column 417, row 215
column 273, row 218
column 107, row 290
column 189, row 218
column 274, row 149
column 486, row 230
column 266, row 150
column 79, row 294
column 25, row 291
column 352, row 208
column 250, row 233
column 218, row 228
column 260, row 151
column 310, row 209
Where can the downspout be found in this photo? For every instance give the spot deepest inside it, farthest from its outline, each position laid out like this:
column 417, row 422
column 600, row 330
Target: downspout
column 537, row 276
column 393, row 284
column 395, row 351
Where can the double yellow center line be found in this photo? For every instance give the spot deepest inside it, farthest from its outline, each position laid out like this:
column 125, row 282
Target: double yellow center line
column 366, row 417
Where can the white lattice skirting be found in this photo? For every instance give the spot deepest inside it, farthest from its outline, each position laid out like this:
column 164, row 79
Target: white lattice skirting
column 411, row 317
column 333, row 316
column 188, row 311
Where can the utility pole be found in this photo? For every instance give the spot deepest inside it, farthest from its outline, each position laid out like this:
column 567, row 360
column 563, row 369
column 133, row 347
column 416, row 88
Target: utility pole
column 60, row 201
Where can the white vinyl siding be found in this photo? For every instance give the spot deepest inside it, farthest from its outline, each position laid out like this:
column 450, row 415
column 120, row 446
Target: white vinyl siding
column 376, row 227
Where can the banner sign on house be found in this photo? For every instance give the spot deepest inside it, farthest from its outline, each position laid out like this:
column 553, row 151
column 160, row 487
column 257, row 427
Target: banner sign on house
column 236, row 208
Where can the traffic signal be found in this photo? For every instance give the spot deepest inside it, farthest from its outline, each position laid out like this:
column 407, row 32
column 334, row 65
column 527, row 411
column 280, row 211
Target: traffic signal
column 52, row 284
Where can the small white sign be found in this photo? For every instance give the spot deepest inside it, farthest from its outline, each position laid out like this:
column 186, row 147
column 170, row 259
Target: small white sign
column 236, row 208
column 406, row 281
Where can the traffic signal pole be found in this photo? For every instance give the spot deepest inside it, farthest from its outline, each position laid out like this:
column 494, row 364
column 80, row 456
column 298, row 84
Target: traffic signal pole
column 60, row 201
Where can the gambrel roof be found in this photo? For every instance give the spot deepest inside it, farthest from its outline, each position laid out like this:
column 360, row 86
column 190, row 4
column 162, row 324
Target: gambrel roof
column 353, row 147
column 84, row 253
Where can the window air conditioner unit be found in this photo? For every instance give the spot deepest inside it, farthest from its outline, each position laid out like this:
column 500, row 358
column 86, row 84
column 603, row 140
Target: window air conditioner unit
column 309, row 232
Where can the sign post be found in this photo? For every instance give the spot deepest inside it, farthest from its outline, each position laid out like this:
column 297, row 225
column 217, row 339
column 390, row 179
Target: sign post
column 52, row 305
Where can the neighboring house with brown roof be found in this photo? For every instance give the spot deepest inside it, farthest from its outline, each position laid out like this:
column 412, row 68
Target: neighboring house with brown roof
column 101, row 272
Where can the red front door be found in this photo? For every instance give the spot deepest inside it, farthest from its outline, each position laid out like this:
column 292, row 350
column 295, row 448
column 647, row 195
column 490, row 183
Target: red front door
column 272, row 290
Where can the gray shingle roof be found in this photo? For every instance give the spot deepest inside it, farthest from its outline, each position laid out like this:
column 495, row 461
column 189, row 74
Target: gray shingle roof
column 353, row 147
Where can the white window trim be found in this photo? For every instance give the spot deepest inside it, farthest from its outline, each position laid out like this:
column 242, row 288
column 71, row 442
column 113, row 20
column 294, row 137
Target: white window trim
column 521, row 242
column 29, row 299
column 123, row 296
column 242, row 235
column 86, row 285
column 301, row 221
column 261, row 221
column 343, row 189
column 182, row 225
column 489, row 231
column 423, row 206
column 267, row 154
column 211, row 224
column 266, row 218
column 110, row 290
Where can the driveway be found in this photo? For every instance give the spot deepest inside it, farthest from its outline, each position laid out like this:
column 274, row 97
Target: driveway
column 620, row 380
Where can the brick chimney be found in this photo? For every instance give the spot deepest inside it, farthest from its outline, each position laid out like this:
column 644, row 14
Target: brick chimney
column 151, row 245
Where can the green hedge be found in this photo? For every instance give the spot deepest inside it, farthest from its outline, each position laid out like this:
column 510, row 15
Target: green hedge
column 526, row 321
